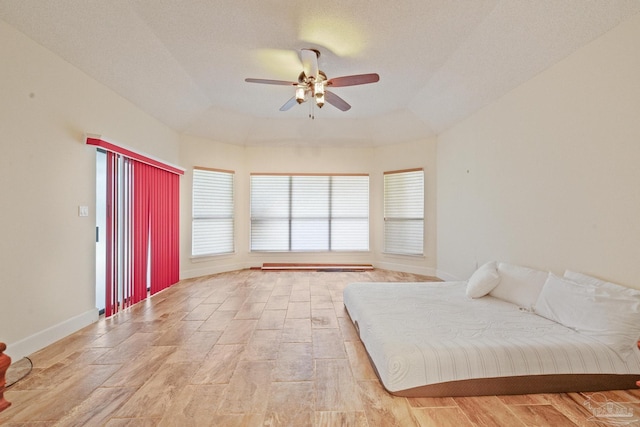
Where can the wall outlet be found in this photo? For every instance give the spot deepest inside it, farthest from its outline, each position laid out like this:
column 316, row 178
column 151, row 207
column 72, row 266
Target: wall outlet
column 83, row 210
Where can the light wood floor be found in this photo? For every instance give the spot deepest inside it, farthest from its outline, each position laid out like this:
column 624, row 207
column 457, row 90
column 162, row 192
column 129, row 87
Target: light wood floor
column 249, row 348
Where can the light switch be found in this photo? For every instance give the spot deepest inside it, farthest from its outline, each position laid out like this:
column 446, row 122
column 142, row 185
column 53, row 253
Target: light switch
column 83, row 210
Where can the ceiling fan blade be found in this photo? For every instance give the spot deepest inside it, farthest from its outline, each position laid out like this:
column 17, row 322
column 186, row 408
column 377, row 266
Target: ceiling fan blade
column 290, row 103
column 336, row 101
column 358, row 79
column 271, row 82
column 309, row 58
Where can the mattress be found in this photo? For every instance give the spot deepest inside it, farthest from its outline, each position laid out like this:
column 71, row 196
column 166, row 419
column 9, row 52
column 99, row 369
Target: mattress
column 423, row 334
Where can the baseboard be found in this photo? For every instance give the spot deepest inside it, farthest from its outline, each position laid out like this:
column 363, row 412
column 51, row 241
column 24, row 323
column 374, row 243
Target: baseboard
column 424, row 271
column 448, row 277
column 296, row 266
column 207, row 271
column 48, row 336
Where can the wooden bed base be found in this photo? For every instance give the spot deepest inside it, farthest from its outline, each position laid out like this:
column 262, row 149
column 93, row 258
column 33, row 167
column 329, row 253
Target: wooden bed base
column 5, row 361
column 524, row 384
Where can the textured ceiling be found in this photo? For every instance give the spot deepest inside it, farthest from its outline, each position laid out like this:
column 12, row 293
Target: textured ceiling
column 184, row 62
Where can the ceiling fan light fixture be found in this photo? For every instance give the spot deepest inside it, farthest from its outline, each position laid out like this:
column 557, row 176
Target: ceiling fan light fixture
column 312, row 83
column 318, row 93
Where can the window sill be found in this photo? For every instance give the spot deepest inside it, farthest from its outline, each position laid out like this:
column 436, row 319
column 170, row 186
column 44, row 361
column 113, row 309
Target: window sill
column 395, row 255
column 256, row 252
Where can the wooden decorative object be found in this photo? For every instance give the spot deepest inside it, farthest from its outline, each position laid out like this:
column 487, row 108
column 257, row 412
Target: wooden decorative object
column 315, row 267
column 5, row 361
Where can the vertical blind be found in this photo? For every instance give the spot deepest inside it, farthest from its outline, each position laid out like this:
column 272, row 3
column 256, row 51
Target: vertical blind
column 213, row 222
column 143, row 240
column 309, row 212
column 404, row 212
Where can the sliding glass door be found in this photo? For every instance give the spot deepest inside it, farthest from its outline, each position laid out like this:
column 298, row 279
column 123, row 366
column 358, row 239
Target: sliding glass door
column 137, row 231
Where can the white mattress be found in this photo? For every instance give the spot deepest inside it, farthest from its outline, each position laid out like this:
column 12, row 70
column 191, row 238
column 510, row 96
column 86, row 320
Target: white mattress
column 426, row 333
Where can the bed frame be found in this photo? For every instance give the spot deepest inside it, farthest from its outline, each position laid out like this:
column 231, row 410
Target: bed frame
column 525, row 384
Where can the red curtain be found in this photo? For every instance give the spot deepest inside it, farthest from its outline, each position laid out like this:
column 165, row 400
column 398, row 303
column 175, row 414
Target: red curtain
column 143, row 239
column 112, row 237
column 156, row 225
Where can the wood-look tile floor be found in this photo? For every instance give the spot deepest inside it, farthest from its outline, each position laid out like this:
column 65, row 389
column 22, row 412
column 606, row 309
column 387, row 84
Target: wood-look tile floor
column 250, row 348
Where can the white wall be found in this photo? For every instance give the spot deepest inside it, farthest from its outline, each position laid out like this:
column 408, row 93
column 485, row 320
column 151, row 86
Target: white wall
column 315, row 159
column 549, row 175
column 47, row 252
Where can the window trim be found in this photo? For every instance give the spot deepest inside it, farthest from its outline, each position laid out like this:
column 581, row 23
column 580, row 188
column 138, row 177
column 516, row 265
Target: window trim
column 389, row 220
column 194, row 219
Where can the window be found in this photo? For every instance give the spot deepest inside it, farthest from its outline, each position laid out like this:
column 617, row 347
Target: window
column 212, row 226
column 404, row 212
column 310, row 212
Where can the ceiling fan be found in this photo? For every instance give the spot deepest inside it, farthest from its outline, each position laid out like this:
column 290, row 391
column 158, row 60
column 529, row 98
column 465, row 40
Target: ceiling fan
column 313, row 83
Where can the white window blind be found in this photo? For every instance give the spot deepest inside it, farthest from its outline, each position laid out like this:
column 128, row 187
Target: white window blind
column 212, row 225
column 306, row 213
column 404, row 212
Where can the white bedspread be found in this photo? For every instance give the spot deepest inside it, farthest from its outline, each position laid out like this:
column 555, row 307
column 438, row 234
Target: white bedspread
column 425, row 333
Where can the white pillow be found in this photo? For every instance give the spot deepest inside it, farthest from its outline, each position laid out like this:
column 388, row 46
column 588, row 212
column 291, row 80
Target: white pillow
column 519, row 285
column 590, row 280
column 606, row 313
column 483, row 280
column 584, row 279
